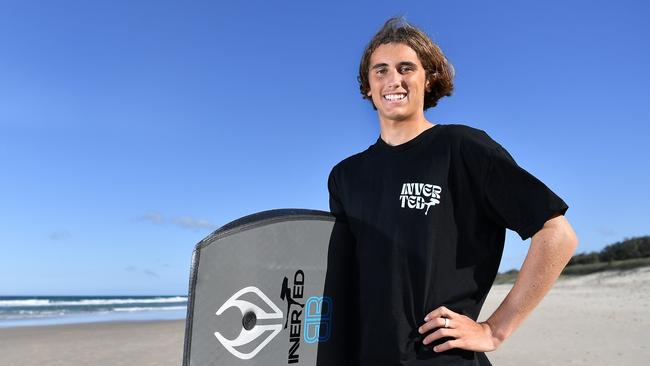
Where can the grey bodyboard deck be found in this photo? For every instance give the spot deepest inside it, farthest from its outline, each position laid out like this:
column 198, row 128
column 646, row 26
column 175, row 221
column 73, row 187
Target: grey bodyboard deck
column 272, row 288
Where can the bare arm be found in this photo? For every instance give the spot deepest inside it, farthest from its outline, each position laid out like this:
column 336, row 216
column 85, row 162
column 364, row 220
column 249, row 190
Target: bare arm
column 550, row 250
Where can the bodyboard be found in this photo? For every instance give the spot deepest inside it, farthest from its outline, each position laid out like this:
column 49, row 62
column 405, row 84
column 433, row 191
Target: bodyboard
column 272, row 288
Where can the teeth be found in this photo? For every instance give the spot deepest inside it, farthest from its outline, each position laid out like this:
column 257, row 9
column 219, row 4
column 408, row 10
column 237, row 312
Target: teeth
column 395, row 96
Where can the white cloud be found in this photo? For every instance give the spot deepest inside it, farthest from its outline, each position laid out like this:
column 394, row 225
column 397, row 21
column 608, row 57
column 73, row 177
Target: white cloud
column 185, row 222
column 189, row 222
column 148, row 272
column 59, row 235
column 153, row 217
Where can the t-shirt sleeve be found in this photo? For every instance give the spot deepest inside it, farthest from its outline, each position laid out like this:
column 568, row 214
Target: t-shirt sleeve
column 336, row 207
column 515, row 198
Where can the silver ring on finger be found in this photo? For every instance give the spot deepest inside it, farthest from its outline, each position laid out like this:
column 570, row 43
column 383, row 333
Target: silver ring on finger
column 446, row 322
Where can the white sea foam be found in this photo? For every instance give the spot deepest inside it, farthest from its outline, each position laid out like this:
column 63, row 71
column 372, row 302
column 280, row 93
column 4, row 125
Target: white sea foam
column 130, row 310
column 28, row 302
column 24, row 311
column 32, row 314
column 87, row 302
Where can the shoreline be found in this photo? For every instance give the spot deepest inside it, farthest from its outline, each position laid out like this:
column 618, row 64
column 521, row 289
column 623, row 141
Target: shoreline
column 17, row 311
column 94, row 318
column 90, row 323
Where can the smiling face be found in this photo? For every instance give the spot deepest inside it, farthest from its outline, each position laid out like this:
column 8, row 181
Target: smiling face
column 397, row 82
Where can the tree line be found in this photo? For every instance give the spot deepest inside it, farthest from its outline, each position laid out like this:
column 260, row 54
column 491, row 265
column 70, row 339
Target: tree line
column 631, row 248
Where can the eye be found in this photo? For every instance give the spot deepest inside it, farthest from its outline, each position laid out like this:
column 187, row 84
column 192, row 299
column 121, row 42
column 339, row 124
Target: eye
column 380, row 71
column 405, row 69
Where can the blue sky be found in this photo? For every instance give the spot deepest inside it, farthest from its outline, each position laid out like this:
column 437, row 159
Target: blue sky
column 131, row 130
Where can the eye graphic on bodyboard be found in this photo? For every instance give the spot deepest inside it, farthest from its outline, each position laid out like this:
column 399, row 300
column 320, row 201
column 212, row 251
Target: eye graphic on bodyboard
column 250, row 312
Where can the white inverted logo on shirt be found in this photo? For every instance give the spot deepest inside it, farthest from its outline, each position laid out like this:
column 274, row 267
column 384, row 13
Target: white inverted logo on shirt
column 419, row 196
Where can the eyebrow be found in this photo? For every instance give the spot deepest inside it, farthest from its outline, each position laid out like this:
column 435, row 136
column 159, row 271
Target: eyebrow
column 403, row 63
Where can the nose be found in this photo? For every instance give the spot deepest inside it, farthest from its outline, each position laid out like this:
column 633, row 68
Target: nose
column 394, row 79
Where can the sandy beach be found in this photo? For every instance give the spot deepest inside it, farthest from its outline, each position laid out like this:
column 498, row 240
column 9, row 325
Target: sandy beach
column 598, row 319
column 155, row 343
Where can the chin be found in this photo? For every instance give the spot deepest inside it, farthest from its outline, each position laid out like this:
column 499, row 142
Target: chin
column 396, row 116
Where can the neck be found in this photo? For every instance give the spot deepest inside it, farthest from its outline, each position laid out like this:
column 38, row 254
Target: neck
column 398, row 132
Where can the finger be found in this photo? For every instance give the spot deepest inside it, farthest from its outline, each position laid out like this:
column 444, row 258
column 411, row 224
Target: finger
column 437, row 313
column 454, row 343
column 441, row 312
column 441, row 333
column 434, row 323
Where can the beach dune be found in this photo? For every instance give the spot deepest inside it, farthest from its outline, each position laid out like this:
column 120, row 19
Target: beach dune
column 598, row 319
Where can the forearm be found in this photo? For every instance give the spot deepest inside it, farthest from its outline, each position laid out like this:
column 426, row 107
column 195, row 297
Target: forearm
column 550, row 250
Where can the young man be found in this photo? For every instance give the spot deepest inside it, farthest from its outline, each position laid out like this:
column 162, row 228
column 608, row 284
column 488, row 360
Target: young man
column 427, row 206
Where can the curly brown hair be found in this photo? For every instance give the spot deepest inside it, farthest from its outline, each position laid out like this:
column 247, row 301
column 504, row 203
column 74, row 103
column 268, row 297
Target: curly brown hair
column 438, row 70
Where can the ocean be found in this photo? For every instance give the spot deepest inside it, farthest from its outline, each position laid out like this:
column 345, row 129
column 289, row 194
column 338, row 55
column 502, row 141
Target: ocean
column 18, row 311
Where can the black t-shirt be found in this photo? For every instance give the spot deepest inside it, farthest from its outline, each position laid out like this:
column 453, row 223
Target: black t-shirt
column 428, row 218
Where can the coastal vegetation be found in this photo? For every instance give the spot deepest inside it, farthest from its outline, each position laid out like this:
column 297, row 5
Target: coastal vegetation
column 626, row 254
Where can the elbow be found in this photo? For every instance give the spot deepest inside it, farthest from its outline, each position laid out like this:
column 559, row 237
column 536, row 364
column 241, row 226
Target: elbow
column 573, row 242
column 562, row 235
column 570, row 238
column 568, row 242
